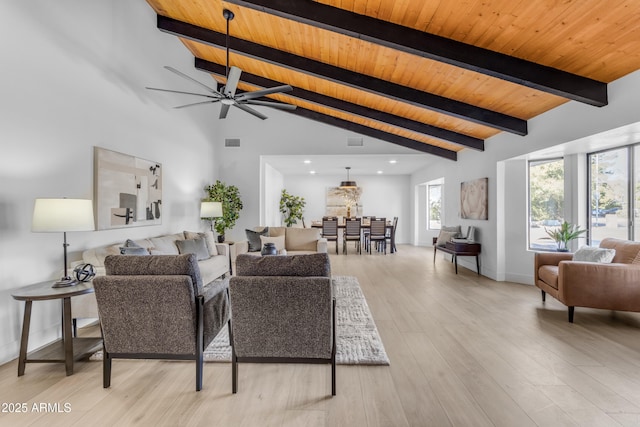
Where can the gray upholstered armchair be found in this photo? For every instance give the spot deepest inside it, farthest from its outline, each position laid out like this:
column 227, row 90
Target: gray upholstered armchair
column 283, row 311
column 156, row 307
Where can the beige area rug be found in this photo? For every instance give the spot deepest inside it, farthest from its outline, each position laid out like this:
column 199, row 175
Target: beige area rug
column 358, row 341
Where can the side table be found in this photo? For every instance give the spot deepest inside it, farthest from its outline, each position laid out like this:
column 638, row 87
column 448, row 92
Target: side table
column 65, row 350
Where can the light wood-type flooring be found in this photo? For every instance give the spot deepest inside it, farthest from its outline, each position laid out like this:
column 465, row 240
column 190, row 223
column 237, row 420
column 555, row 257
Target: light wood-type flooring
column 464, row 351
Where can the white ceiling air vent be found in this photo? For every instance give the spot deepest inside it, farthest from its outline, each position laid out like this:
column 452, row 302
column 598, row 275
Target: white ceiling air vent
column 354, row 142
column 232, row 142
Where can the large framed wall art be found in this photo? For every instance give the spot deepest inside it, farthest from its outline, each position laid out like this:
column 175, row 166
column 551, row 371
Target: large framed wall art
column 343, row 202
column 474, row 199
column 128, row 190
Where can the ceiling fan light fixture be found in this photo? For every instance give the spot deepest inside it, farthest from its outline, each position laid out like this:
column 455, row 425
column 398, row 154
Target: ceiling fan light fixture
column 348, row 183
column 227, row 94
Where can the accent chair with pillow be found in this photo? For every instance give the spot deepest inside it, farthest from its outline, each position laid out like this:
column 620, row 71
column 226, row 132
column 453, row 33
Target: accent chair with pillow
column 607, row 277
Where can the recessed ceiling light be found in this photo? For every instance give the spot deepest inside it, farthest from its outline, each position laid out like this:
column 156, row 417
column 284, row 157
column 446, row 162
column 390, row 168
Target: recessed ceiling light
column 380, row 172
column 312, row 172
column 393, row 162
column 306, row 162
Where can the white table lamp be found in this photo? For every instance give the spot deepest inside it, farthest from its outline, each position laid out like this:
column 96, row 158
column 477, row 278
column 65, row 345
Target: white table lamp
column 210, row 210
column 62, row 215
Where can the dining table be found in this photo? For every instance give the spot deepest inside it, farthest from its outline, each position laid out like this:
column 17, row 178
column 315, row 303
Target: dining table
column 365, row 225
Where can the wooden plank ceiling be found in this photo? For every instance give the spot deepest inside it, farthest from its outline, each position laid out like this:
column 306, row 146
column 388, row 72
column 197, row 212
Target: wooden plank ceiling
column 438, row 76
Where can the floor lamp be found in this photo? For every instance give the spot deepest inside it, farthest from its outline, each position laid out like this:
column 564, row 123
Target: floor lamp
column 62, row 215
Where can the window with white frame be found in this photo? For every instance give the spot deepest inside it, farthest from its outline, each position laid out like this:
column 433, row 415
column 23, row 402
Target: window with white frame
column 546, row 201
column 434, row 206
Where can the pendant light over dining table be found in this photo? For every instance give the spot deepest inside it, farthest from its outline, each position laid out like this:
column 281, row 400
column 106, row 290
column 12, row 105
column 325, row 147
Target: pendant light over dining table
column 348, row 183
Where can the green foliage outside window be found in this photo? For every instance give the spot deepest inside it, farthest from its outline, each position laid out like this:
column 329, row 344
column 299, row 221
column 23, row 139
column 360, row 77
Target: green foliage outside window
column 546, row 190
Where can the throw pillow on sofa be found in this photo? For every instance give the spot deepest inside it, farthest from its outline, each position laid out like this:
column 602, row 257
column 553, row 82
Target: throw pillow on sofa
column 207, row 237
column 166, row 245
column 591, row 254
column 253, row 237
column 193, row 246
column 302, row 239
column 132, row 248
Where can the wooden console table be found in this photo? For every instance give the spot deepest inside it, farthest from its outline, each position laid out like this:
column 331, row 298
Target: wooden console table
column 65, row 350
column 457, row 249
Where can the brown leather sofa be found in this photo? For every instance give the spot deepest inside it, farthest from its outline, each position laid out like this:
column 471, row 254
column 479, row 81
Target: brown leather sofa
column 614, row 286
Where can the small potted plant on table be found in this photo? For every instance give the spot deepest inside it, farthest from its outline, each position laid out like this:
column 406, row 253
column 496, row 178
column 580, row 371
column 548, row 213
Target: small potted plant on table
column 565, row 233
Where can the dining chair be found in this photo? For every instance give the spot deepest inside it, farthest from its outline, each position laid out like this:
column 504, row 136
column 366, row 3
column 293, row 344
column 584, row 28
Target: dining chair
column 377, row 232
column 352, row 233
column 391, row 235
column 365, row 231
column 330, row 229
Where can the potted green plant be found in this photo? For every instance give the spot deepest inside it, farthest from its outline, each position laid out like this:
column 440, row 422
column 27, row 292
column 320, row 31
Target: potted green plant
column 229, row 196
column 565, row 233
column 291, row 207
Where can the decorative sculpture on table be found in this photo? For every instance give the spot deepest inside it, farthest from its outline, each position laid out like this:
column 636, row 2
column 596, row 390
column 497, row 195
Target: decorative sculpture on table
column 84, row 272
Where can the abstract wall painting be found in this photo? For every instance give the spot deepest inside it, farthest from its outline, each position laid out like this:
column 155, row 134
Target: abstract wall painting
column 339, row 201
column 128, row 190
column 474, row 199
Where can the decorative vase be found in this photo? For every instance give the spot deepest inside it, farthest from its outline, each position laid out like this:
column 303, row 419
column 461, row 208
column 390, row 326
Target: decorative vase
column 269, row 249
column 220, row 238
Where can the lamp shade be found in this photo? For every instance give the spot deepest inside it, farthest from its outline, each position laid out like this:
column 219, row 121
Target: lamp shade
column 211, row 210
column 61, row 215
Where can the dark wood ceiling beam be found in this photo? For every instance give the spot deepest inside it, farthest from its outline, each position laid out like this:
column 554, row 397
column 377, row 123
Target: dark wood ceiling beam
column 512, row 69
column 380, row 116
column 342, row 76
column 375, row 133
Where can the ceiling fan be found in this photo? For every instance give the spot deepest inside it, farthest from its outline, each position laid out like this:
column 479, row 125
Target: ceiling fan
column 226, row 96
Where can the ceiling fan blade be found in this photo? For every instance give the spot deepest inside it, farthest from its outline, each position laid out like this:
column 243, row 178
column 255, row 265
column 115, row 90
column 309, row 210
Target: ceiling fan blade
column 183, row 75
column 216, row 96
column 197, row 103
column 251, row 111
column 258, row 93
column 224, row 110
column 232, row 81
column 279, row 105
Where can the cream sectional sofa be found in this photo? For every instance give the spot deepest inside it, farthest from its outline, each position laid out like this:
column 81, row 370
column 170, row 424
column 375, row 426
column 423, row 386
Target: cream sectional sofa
column 211, row 268
column 296, row 241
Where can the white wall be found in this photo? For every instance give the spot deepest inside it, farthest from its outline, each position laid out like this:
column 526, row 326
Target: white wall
column 382, row 195
column 273, row 185
column 503, row 234
column 73, row 77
